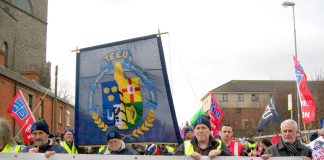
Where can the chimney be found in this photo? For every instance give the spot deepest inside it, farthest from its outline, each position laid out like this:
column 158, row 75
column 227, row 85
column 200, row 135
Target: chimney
column 31, row 74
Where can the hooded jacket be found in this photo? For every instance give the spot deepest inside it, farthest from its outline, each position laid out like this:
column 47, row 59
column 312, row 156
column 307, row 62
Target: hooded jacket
column 124, row 150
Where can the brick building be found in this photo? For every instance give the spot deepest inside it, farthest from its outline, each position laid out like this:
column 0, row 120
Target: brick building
column 244, row 101
column 23, row 66
column 11, row 82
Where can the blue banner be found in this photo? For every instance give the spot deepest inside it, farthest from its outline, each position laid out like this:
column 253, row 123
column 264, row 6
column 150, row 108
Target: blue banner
column 124, row 84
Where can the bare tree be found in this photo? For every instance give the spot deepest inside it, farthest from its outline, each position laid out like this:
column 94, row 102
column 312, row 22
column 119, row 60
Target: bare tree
column 317, row 89
column 64, row 90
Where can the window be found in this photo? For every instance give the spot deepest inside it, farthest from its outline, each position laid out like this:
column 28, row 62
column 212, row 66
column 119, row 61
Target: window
column 239, row 97
column 4, row 50
column 60, row 116
column 206, row 101
column 41, row 109
column 222, row 97
column 67, row 118
column 30, row 101
column 238, row 110
column 255, row 97
column 23, row 5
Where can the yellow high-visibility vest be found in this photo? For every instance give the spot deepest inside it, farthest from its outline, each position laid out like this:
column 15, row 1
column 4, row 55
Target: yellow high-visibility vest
column 254, row 148
column 170, row 149
column 107, row 152
column 101, row 148
column 189, row 149
column 67, row 148
column 10, row 148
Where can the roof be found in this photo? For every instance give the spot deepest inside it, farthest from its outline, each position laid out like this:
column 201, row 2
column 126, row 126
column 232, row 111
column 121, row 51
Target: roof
column 263, row 86
column 31, row 84
column 256, row 86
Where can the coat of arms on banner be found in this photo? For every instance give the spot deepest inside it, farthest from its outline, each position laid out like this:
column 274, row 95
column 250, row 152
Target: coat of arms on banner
column 124, row 84
column 122, row 102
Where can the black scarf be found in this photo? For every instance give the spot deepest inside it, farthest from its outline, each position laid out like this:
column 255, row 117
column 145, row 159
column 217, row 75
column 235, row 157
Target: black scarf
column 292, row 149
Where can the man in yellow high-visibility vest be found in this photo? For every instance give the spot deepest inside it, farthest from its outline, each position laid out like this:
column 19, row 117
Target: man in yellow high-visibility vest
column 252, row 145
column 188, row 133
column 202, row 143
column 7, row 142
column 68, row 143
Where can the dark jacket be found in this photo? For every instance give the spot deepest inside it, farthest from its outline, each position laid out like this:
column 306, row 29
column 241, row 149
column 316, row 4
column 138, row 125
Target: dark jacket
column 213, row 144
column 279, row 150
column 46, row 147
column 124, row 150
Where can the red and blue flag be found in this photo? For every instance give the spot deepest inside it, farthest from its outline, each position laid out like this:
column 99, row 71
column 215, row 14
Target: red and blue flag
column 305, row 96
column 216, row 115
column 20, row 111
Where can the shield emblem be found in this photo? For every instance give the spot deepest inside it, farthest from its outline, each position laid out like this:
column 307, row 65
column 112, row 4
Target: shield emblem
column 122, row 100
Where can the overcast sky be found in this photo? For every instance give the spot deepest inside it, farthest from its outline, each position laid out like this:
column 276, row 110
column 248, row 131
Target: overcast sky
column 212, row 41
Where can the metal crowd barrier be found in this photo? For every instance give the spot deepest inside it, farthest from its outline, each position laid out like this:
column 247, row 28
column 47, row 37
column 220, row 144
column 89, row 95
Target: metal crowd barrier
column 41, row 156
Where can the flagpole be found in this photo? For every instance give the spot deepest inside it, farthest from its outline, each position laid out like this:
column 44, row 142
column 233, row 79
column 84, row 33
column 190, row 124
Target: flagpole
column 33, row 112
column 307, row 138
column 292, row 4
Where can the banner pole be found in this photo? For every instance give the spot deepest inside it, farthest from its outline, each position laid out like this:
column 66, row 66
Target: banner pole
column 260, row 133
column 307, row 139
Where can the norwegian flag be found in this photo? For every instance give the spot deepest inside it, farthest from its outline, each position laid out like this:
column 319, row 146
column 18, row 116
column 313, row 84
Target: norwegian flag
column 216, row 115
column 20, row 111
column 305, row 96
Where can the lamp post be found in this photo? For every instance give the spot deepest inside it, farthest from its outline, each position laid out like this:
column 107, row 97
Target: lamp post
column 292, row 4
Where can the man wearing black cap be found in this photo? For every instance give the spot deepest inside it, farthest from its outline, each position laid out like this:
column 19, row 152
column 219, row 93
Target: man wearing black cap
column 202, row 144
column 68, row 143
column 188, row 133
column 115, row 144
column 41, row 144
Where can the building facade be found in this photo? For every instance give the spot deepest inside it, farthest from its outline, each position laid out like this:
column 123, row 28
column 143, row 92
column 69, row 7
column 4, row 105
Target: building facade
column 244, row 102
column 23, row 32
column 62, row 114
column 23, row 66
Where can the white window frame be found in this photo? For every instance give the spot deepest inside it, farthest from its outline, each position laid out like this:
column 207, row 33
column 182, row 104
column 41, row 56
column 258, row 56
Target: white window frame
column 67, row 118
column 60, row 117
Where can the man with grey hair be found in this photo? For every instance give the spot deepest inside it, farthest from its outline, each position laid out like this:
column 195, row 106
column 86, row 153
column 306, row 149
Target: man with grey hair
column 7, row 142
column 288, row 144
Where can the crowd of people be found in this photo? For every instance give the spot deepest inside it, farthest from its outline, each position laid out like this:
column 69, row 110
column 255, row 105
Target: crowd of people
column 197, row 142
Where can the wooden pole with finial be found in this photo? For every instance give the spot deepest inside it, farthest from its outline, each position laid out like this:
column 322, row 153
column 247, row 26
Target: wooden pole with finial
column 76, row 50
column 159, row 33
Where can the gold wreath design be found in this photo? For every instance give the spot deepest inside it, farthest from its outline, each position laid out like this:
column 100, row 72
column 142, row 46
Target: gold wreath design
column 99, row 122
column 146, row 125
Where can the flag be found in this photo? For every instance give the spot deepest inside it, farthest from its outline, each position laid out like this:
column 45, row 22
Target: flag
column 271, row 114
column 275, row 139
column 199, row 113
column 216, row 115
column 20, row 111
column 305, row 96
column 125, row 85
